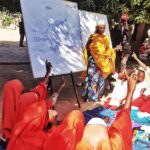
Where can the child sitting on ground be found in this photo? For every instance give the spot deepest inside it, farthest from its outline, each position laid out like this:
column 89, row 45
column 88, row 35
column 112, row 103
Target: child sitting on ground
column 143, row 102
column 147, row 73
column 141, row 84
column 119, row 91
column 118, row 95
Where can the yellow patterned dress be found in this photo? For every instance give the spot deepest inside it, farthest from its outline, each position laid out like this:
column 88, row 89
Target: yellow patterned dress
column 100, row 59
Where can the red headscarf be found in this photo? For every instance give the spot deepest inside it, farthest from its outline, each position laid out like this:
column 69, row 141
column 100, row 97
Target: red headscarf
column 11, row 94
column 28, row 133
column 28, row 98
column 68, row 134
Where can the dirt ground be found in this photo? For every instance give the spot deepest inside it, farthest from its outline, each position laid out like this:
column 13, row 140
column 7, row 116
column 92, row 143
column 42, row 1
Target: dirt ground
column 15, row 64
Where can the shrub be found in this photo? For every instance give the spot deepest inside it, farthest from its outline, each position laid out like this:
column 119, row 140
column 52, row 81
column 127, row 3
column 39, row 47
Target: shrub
column 6, row 20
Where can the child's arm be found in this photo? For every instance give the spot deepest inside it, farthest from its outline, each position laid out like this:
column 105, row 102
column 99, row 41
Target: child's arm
column 131, row 87
column 139, row 61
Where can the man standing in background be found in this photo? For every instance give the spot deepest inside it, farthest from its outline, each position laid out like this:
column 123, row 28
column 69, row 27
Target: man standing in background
column 22, row 32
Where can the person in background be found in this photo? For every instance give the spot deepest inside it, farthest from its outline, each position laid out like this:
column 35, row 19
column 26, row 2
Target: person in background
column 113, row 32
column 118, row 136
column 146, row 45
column 100, row 59
column 120, row 35
column 21, row 32
column 15, row 102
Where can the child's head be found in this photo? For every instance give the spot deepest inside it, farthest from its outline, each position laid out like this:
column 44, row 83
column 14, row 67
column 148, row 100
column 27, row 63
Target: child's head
column 126, row 72
column 122, row 75
column 140, row 75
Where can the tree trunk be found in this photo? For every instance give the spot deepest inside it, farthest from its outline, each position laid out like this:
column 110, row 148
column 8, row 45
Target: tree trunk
column 138, row 38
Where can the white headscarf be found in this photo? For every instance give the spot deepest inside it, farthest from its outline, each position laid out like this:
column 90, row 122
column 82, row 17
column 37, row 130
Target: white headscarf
column 97, row 120
column 101, row 22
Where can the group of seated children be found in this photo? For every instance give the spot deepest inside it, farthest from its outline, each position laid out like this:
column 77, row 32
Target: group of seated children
column 118, row 96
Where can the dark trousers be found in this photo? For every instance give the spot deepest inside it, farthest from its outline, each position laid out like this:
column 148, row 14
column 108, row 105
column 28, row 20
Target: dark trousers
column 21, row 39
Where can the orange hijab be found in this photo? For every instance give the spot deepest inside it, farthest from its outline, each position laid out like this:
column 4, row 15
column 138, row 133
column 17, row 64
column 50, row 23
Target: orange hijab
column 11, row 94
column 68, row 134
column 28, row 133
column 26, row 99
column 40, row 90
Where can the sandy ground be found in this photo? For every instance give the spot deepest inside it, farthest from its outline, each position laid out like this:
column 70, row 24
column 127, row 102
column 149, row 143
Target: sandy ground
column 15, row 64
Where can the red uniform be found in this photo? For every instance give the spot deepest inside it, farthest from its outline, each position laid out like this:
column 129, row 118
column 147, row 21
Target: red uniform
column 11, row 94
column 29, row 133
column 143, row 102
column 15, row 103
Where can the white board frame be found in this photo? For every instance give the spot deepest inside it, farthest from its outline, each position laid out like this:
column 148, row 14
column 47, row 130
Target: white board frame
column 69, row 56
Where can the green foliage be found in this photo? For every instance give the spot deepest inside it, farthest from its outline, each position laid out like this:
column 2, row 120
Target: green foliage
column 138, row 10
column 146, row 4
column 144, row 17
column 111, row 8
column 7, row 18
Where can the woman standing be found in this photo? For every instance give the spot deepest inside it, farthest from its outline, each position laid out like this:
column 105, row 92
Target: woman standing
column 100, row 60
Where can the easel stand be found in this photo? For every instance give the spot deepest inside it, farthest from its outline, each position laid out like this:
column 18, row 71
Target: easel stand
column 50, row 85
column 75, row 90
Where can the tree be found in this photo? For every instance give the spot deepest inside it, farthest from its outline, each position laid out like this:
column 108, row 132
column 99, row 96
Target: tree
column 10, row 5
column 138, row 11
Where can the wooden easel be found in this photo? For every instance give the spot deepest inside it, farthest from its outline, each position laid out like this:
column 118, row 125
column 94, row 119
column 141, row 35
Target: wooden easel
column 50, row 85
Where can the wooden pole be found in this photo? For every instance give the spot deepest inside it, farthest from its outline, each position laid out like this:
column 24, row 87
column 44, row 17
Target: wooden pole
column 50, row 84
column 75, row 90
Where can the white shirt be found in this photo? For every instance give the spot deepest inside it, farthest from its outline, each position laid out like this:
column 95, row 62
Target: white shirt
column 138, row 88
column 147, row 71
column 147, row 78
column 119, row 92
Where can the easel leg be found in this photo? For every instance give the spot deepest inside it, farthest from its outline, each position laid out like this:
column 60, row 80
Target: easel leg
column 75, row 90
column 50, row 85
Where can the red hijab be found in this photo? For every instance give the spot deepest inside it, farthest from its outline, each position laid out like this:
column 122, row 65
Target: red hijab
column 28, row 133
column 11, row 94
column 26, row 99
column 68, row 134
